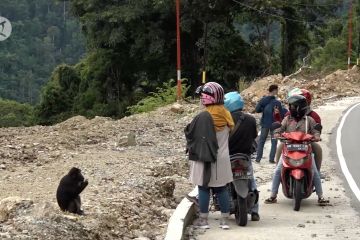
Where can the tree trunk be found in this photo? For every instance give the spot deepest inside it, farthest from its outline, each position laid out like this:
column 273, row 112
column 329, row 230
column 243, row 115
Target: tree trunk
column 284, row 49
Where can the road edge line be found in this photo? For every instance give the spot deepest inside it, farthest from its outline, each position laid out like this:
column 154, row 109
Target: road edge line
column 350, row 180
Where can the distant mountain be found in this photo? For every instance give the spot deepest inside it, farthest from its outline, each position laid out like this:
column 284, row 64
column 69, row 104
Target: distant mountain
column 43, row 36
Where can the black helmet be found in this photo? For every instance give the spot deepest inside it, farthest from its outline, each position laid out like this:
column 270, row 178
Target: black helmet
column 297, row 100
column 297, row 106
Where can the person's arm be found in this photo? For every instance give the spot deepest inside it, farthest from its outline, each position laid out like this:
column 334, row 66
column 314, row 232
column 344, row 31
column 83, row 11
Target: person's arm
column 255, row 128
column 229, row 120
column 261, row 104
column 259, row 108
column 315, row 116
column 255, row 135
column 312, row 130
column 252, row 126
column 283, row 111
column 283, row 127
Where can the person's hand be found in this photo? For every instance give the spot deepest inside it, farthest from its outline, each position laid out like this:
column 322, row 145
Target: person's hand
column 277, row 135
column 276, row 110
column 316, row 139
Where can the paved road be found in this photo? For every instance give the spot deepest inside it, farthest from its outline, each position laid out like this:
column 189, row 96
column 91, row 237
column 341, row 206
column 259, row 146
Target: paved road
column 279, row 221
column 349, row 139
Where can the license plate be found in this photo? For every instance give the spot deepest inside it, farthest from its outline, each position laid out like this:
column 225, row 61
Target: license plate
column 297, row 147
column 242, row 175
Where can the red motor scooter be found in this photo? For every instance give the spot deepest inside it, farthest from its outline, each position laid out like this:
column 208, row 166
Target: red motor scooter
column 297, row 175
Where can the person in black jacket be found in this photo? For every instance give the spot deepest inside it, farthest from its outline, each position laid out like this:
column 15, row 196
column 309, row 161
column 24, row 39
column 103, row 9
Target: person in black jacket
column 202, row 144
column 242, row 140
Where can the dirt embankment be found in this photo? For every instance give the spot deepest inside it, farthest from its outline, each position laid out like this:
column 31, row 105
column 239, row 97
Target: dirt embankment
column 136, row 168
column 342, row 83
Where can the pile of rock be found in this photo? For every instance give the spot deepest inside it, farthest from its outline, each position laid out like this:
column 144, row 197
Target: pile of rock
column 342, row 83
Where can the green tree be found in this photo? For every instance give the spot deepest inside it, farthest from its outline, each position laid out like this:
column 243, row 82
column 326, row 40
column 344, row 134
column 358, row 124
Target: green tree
column 333, row 54
column 14, row 114
column 302, row 24
column 58, row 95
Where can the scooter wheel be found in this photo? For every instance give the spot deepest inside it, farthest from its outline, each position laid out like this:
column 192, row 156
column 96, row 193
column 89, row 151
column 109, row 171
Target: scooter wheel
column 298, row 195
column 241, row 213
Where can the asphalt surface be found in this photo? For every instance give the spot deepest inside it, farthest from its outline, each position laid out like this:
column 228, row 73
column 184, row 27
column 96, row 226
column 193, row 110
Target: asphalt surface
column 350, row 143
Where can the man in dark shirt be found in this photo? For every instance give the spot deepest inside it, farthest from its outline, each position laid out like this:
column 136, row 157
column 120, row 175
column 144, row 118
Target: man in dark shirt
column 267, row 105
column 243, row 138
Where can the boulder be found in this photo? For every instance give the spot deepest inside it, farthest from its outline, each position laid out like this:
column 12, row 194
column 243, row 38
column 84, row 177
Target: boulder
column 11, row 205
column 177, row 108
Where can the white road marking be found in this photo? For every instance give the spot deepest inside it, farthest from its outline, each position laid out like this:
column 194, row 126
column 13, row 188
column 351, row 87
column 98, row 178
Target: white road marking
column 342, row 160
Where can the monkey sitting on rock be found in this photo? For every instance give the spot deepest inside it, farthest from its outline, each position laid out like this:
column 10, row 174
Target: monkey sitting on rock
column 69, row 189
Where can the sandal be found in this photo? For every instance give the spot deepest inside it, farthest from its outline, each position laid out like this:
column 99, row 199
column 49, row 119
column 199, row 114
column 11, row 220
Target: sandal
column 271, row 200
column 323, row 202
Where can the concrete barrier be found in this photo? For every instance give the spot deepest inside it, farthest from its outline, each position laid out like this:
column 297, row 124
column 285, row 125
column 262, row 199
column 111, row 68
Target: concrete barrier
column 181, row 218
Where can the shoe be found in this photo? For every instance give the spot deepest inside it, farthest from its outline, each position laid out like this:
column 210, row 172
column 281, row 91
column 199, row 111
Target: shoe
column 271, row 161
column 323, row 202
column 193, row 199
column 255, row 217
column 223, row 224
column 271, row 200
column 201, row 223
column 257, row 161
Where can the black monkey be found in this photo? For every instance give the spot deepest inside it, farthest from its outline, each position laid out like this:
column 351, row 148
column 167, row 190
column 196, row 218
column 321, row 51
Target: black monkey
column 69, row 189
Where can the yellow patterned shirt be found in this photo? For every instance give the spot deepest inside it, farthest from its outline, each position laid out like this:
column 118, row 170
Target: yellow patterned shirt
column 221, row 117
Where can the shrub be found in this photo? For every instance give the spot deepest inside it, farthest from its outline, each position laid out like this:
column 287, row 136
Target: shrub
column 243, row 84
column 165, row 95
column 14, row 114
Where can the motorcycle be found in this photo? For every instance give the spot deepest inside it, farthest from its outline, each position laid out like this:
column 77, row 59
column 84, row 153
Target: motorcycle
column 242, row 198
column 297, row 175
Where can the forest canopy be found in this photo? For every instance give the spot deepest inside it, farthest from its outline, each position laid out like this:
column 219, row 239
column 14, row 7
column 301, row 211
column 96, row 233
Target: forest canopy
column 44, row 35
column 131, row 48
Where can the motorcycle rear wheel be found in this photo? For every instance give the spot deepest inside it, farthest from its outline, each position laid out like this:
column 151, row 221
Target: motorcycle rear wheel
column 298, row 195
column 241, row 213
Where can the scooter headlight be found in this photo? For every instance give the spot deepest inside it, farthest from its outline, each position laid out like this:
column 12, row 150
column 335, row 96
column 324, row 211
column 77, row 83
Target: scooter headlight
column 296, row 163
